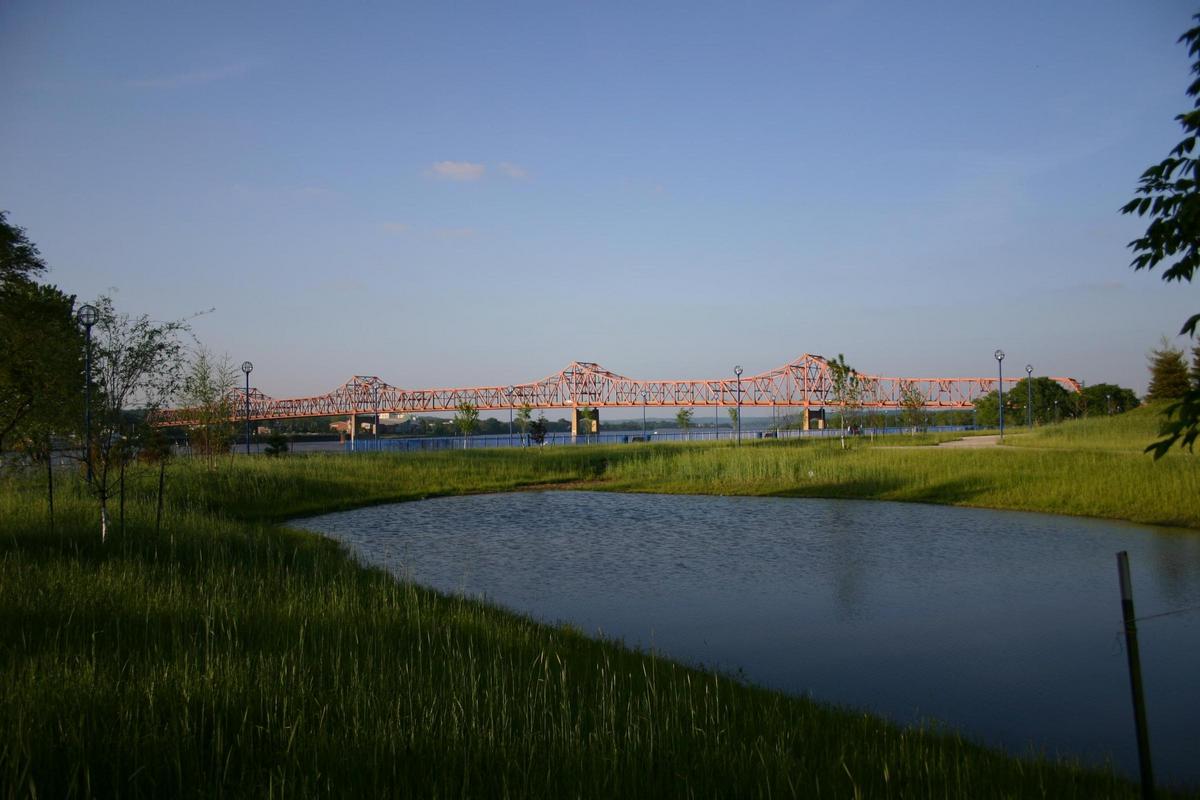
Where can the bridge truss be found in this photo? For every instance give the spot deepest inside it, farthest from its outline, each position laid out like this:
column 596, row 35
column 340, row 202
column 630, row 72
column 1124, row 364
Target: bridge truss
column 805, row 383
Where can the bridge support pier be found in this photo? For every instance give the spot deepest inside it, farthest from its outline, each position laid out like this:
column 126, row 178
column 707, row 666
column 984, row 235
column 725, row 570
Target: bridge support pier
column 585, row 426
column 353, row 426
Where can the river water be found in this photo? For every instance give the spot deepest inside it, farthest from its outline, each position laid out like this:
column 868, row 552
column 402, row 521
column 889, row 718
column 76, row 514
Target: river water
column 1003, row 625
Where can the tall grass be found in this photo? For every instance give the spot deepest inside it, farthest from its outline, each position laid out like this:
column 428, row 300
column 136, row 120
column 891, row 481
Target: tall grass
column 1116, row 485
column 266, row 489
column 1092, row 467
column 232, row 657
column 1129, row 432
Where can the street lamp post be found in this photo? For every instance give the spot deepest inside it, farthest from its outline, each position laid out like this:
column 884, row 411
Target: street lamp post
column 88, row 316
column 1029, row 395
column 738, row 371
column 375, row 424
column 509, row 393
column 644, row 438
column 1056, row 409
column 247, row 368
column 999, row 354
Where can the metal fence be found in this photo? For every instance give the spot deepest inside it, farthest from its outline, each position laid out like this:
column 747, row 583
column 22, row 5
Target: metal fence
column 430, row 443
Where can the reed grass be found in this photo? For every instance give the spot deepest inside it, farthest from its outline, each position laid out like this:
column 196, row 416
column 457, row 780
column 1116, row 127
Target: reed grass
column 1129, row 432
column 226, row 655
column 1115, row 485
column 1092, row 467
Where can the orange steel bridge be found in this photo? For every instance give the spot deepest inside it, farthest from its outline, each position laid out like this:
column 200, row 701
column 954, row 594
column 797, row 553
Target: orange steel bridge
column 805, row 383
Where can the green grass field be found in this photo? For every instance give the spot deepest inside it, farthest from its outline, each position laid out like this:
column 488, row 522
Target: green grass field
column 229, row 656
column 1092, row 467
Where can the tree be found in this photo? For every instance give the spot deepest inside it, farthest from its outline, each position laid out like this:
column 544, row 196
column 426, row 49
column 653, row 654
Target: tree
column 41, row 366
column 684, row 420
column 277, row 444
column 155, row 448
column 1045, row 392
column 524, row 414
column 588, row 416
column 537, row 430
column 987, row 409
column 1195, row 371
column 207, row 392
column 1170, row 195
column 41, row 361
column 135, row 362
column 20, row 260
column 913, row 403
column 465, row 419
column 41, row 357
column 846, row 387
column 1099, row 398
column 1168, row 373
column 733, row 417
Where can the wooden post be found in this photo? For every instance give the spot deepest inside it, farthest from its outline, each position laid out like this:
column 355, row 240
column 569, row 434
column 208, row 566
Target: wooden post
column 50, row 482
column 1135, row 675
column 123, row 457
column 162, row 476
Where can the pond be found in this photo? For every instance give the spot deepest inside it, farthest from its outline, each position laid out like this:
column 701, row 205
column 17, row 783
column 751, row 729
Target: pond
column 1004, row 625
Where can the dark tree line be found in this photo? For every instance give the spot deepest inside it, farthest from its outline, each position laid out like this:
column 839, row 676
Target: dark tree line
column 1052, row 402
column 135, row 365
column 41, row 369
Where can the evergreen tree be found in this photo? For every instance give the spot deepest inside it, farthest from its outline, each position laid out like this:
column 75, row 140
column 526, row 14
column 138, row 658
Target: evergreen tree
column 1168, row 374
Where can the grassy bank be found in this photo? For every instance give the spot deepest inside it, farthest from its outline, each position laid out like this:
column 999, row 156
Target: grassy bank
column 227, row 655
column 230, row 657
column 1091, row 467
column 1089, row 483
column 1130, row 432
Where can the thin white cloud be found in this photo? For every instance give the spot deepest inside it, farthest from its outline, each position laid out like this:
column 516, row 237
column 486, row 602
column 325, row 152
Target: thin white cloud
column 454, row 233
column 394, row 227
column 515, row 171
column 194, row 78
column 457, row 170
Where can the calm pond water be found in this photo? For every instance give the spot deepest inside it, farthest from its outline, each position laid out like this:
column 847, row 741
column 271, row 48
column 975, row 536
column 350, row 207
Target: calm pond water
column 1004, row 625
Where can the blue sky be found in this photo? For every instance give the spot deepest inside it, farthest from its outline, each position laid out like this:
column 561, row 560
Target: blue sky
column 458, row 194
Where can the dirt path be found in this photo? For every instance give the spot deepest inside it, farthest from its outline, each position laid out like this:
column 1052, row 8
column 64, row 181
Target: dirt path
column 973, row 441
